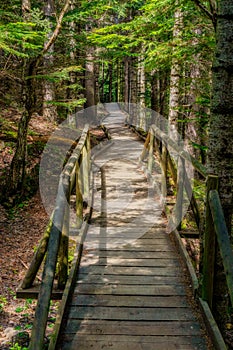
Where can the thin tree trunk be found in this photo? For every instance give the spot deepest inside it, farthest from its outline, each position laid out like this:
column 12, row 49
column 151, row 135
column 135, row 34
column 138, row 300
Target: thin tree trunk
column 49, row 109
column 110, row 68
column 155, row 91
column 90, row 78
column 126, row 84
column 141, row 92
column 176, row 70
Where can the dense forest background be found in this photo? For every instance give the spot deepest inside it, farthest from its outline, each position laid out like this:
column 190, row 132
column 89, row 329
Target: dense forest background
column 172, row 56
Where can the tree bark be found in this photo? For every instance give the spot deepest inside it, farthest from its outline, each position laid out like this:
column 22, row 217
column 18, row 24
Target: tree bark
column 126, row 84
column 176, row 71
column 90, row 82
column 49, row 109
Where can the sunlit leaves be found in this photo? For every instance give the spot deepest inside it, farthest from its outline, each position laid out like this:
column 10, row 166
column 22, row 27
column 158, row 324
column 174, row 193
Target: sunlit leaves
column 19, row 38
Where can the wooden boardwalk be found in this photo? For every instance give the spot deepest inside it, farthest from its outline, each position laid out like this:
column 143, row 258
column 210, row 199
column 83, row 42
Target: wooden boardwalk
column 130, row 292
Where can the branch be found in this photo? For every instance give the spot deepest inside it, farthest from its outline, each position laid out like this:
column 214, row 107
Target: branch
column 206, row 11
column 57, row 29
column 213, row 6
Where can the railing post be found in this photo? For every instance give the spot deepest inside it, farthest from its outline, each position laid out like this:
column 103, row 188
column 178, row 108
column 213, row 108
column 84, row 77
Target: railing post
column 64, row 243
column 79, row 197
column 164, row 157
column 37, row 258
column 209, row 245
column 145, row 148
column 180, row 192
column 85, row 174
column 42, row 309
column 151, row 152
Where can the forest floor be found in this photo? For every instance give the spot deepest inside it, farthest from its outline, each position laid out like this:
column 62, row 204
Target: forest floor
column 20, row 232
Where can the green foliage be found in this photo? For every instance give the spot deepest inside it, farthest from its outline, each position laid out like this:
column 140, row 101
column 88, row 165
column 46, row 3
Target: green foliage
column 18, row 347
column 3, row 302
column 60, row 74
column 20, row 39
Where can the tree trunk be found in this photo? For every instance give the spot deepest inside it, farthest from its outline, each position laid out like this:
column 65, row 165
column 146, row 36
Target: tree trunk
column 18, row 164
column 141, row 92
column 90, row 82
column 110, row 68
column 49, row 109
column 220, row 152
column 155, row 91
column 126, row 84
column 176, row 70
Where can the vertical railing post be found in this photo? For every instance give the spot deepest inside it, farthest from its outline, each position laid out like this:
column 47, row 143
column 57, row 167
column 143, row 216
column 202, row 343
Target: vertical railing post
column 64, row 243
column 180, row 192
column 85, row 174
column 79, row 197
column 164, row 157
column 42, row 308
column 151, row 152
column 209, row 245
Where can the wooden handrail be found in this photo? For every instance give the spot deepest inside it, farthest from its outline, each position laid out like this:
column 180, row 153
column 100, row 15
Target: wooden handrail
column 183, row 180
column 223, row 239
column 162, row 136
column 215, row 225
column 59, row 233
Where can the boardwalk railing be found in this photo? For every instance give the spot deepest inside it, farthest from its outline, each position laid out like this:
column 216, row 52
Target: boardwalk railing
column 160, row 142
column 216, row 233
column 54, row 244
column 214, row 226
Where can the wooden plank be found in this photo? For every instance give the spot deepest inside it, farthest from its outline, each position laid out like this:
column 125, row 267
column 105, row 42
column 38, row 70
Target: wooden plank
column 122, row 300
column 176, row 328
column 163, row 242
column 130, row 262
column 32, row 293
column 134, row 342
column 121, row 289
column 158, row 344
column 154, row 234
column 137, row 247
column 131, row 270
column 133, row 280
column 130, row 313
column 125, row 254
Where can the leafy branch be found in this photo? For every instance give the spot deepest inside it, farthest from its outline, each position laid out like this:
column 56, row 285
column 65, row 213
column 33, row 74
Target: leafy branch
column 212, row 13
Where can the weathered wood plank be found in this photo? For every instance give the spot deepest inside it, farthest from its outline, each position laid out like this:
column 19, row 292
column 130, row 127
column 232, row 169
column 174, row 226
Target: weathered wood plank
column 137, row 247
column 122, row 300
column 125, row 254
column 33, row 292
column 131, row 280
column 120, row 289
column 148, row 235
column 170, row 343
column 131, row 313
column 130, row 262
column 117, row 244
column 176, row 328
column 131, row 270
